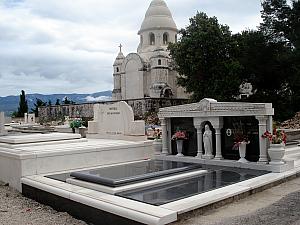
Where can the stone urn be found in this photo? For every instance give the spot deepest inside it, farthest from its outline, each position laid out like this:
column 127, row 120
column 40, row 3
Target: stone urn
column 276, row 153
column 179, row 145
column 157, row 146
column 242, row 151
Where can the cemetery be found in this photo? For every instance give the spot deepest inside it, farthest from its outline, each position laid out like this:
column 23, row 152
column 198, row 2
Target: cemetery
column 115, row 173
column 199, row 155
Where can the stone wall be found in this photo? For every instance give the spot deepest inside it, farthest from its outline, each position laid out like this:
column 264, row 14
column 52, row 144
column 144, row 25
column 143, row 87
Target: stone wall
column 86, row 110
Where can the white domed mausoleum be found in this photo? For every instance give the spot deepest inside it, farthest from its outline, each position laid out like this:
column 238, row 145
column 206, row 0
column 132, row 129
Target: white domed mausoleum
column 148, row 73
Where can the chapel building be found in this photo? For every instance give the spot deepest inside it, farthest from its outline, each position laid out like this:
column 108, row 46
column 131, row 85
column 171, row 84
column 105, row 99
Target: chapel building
column 149, row 72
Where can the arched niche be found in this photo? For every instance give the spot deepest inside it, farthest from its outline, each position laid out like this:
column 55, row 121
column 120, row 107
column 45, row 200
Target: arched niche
column 165, row 38
column 151, row 39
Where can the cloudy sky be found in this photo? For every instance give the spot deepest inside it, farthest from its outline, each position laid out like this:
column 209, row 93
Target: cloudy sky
column 68, row 46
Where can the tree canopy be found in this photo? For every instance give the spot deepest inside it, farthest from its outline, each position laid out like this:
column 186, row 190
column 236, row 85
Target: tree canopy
column 38, row 104
column 67, row 101
column 212, row 62
column 205, row 58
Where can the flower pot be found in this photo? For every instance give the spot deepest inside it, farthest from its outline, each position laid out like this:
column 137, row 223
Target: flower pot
column 157, row 146
column 276, row 153
column 179, row 144
column 242, row 151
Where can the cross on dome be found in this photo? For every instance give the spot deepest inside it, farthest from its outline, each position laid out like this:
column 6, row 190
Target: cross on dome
column 120, row 46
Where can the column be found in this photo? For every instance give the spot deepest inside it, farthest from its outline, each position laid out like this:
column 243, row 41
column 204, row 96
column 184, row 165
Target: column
column 165, row 150
column 262, row 125
column 270, row 120
column 199, row 141
column 218, row 144
column 25, row 118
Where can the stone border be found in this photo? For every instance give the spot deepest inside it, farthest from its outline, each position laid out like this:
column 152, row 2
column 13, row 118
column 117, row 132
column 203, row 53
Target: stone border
column 219, row 204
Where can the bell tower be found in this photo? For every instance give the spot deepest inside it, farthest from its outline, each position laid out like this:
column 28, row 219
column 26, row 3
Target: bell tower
column 116, row 95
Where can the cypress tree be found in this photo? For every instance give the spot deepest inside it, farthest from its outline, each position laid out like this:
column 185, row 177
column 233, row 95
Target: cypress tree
column 23, row 106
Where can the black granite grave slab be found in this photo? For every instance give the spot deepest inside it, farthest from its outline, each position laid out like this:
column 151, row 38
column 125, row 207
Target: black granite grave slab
column 114, row 176
column 173, row 191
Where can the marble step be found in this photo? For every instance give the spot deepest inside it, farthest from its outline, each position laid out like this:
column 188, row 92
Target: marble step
column 292, row 150
column 297, row 163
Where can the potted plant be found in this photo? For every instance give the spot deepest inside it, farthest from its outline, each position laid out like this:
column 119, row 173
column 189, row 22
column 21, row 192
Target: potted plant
column 241, row 140
column 277, row 145
column 179, row 137
column 157, row 143
column 75, row 124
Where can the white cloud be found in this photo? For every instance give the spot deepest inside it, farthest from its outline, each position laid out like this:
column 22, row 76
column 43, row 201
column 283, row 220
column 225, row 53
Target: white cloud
column 69, row 46
column 97, row 99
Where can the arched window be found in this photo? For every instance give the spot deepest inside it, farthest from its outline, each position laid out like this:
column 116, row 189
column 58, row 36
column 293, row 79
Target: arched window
column 175, row 38
column 159, row 62
column 152, row 39
column 117, row 69
column 166, row 38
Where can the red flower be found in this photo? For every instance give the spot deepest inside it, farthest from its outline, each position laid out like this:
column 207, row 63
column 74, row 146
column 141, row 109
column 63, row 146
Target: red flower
column 179, row 135
column 277, row 137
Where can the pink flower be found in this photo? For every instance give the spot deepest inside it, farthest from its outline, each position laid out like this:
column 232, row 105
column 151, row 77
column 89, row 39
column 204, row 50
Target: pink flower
column 179, row 135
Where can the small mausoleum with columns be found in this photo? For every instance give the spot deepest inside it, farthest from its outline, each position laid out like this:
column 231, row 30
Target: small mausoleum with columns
column 223, row 119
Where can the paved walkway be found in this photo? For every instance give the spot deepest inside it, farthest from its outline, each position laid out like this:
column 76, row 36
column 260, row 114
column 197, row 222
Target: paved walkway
column 279, row 205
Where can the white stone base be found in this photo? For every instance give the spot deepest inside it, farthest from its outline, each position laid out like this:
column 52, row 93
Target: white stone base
column 118, row 137
column 34, row 138
column 288, row 164
column 207, row 156
column 50, row 157
column 134, row 210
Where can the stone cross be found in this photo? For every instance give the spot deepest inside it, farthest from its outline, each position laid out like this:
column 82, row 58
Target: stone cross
column 120, row 46
column 2, row 121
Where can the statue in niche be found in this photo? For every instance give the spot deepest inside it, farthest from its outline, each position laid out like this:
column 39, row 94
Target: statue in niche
column 207, row 140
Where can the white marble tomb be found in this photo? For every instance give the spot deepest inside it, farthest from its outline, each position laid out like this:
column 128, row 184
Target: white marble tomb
column 115, row 120
column 210, row 110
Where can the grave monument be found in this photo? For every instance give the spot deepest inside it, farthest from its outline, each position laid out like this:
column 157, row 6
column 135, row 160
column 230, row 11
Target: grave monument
column 222, row 118
column 115, row 121
column 29, row 118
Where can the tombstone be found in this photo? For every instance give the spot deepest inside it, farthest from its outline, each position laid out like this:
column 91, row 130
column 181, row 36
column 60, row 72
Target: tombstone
column 2, row 122
column 29, row 118
column 115, row 120
column 67, row 120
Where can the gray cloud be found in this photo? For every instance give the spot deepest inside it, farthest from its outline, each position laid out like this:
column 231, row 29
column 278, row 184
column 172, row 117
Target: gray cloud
column 69, row 46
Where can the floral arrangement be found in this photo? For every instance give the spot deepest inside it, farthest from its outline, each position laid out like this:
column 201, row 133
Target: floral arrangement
column 179, row 135
column 76, row 124
column 277, row 137
column 157, row 134
column 238, row 139
column 240, row 135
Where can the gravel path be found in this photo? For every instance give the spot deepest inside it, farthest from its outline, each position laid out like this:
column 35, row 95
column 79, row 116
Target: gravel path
column 286, row 211
column 18, row 210
column 279, row 205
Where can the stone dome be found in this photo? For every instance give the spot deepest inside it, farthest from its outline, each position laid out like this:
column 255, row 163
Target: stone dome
column 158, row 16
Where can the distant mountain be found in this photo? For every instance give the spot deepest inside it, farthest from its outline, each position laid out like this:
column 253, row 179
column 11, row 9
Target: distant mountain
column 10, row 104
